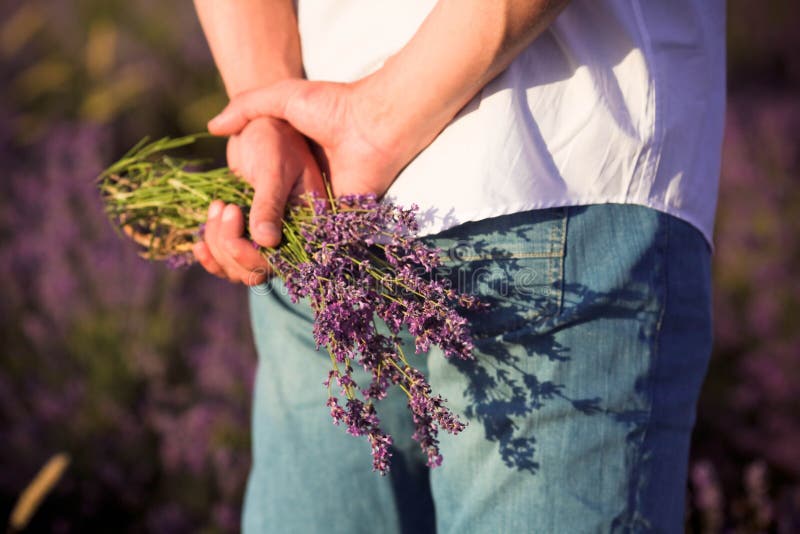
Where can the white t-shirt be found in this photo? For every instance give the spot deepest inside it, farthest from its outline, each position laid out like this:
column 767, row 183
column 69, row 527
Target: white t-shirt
column 618, row 101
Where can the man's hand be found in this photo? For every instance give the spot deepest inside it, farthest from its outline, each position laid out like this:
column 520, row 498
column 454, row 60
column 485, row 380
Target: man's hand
column 276, row 160
column 357, row 155
column 254, row 44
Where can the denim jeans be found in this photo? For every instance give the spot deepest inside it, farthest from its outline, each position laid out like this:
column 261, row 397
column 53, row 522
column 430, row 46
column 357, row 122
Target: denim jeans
column 580, row 402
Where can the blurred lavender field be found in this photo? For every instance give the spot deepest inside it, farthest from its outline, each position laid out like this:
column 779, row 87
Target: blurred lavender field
column 143, row 375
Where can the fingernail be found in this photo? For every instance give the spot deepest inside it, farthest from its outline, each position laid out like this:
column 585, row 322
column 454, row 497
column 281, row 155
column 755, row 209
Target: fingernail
column 268, row 231
column 214, row 209
column 229, row 212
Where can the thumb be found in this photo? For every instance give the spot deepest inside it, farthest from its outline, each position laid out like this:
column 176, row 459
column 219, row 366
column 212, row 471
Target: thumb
column 266, row 212
column 270, row 101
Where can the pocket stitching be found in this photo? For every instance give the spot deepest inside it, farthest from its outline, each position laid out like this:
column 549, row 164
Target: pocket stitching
column 554, row 272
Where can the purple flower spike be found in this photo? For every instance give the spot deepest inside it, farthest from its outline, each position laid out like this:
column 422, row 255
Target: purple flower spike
column 354, row 259
column 357, row 263
column 180, row 261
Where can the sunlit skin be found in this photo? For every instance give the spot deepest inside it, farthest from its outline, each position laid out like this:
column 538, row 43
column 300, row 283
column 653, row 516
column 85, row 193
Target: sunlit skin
column 363, row 132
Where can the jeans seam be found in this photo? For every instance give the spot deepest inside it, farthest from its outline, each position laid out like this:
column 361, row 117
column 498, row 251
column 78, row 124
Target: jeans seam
column 562, row 247
column 637, row 518
column 511, row 256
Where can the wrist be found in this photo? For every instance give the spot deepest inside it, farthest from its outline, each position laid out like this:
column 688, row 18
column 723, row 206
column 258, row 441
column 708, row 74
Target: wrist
column 393, row 118
column 261, row 78
column 254, row 42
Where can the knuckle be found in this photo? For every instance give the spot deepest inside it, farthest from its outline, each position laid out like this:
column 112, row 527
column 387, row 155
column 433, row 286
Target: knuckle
column 213, row 241
column 227, row 274
column 256, row 276
column 235, row 252
column 214, row 269
column 205, row 261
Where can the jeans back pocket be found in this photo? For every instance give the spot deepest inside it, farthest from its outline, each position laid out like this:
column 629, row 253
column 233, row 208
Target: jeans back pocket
column 513, row 263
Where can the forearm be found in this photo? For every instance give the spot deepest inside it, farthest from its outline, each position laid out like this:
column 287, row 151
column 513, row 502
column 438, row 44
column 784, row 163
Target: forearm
column 461, row 46
column 254, row 42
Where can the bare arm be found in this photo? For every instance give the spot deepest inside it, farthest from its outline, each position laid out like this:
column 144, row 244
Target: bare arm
column 254, row 42
column 461, row 46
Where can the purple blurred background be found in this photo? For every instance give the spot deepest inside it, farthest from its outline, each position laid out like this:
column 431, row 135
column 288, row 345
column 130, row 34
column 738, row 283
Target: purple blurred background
column 143, row 375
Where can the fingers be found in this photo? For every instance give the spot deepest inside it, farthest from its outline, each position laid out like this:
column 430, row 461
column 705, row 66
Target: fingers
column 266, row 213
column 225, row 253
column 244, row 255
column 310, row 181
column 204, row 257
column 282, row 163
column 233, row 155
column 275, row 159
column 270, row 101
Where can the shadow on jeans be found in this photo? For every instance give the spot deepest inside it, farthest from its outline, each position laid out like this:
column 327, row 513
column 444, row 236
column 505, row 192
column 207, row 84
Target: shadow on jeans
column 503, row 386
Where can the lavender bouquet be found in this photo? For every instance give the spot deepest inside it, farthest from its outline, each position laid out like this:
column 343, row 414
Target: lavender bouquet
column 354, row 259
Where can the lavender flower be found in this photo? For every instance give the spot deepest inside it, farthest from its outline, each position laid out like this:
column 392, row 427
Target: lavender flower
column 354, row 265
column 354, row 259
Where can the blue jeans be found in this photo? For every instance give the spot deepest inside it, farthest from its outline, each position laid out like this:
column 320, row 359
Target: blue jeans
column 580, row 402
